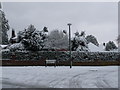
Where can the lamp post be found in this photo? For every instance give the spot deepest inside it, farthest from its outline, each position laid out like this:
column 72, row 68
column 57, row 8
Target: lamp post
column 69, row 24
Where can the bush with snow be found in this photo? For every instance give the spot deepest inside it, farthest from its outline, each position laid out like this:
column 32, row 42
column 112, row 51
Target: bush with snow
column 33, row 39
column 16, row 46
column 110, row 46
column 79, row 42
column 92, row 39
column 6, row 54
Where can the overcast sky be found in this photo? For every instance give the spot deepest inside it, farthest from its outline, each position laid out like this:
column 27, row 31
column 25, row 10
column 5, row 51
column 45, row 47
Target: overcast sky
column 99, row 19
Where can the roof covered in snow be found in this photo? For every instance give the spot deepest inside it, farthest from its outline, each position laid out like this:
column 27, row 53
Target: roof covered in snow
column 94, row 48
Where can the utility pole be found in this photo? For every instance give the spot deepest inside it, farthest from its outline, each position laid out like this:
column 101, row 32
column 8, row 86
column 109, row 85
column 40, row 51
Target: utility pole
column 69, row 24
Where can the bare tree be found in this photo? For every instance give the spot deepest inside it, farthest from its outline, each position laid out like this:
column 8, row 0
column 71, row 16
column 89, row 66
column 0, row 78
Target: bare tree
column 57, row 40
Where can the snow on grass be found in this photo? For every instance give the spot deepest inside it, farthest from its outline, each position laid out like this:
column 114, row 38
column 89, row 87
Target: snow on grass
column 61, row 77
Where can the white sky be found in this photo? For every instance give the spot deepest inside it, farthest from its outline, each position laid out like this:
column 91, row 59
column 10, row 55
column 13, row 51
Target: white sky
column 97, row 18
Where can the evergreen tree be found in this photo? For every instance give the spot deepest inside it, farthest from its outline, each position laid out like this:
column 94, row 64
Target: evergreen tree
column 13, row 39
column 45, row 29
column 103, row 44
column 4, row 27
column 32, row 39
column 110, row 46
column 13, row 33
column 92, row 39
column 20, row 36
column 75, row 43
column 79, row 42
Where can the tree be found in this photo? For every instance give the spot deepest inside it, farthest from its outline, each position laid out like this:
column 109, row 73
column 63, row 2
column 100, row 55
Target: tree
column 103, row 44
column 20, row 36
column 45, row 29
column 79, row 42
column 32, row 39
column 4, row 28
column 57, row 40
column 13, row 37
column 92, row 39
column 110, row 46
column 13, row 33
column 75, row 42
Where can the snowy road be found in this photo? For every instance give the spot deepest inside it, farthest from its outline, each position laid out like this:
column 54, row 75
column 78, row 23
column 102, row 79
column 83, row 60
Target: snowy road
column 60, row 77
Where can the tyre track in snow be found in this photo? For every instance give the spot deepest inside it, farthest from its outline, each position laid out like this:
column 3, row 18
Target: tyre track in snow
column 97, row 81
column 75, row 81
column 57, row 82
column 90, row 78
column 71, row 82
column 102, row 82
column 12, row 84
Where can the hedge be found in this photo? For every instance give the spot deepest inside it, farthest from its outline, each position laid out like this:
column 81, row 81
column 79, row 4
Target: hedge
column 61, row 55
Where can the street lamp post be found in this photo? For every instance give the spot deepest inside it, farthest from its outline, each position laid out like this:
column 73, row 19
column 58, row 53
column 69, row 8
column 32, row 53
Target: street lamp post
column 69, row 24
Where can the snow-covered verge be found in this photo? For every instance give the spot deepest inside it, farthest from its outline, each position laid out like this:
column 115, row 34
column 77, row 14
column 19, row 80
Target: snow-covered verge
column 60, row 77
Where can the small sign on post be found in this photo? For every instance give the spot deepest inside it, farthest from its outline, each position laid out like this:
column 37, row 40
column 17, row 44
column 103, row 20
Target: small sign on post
column 50, row 62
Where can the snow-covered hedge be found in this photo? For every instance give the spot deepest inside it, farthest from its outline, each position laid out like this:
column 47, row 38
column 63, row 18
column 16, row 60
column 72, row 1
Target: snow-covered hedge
column 16, row 46
column 93, row 56
column 62, row 55
column 6, row 54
